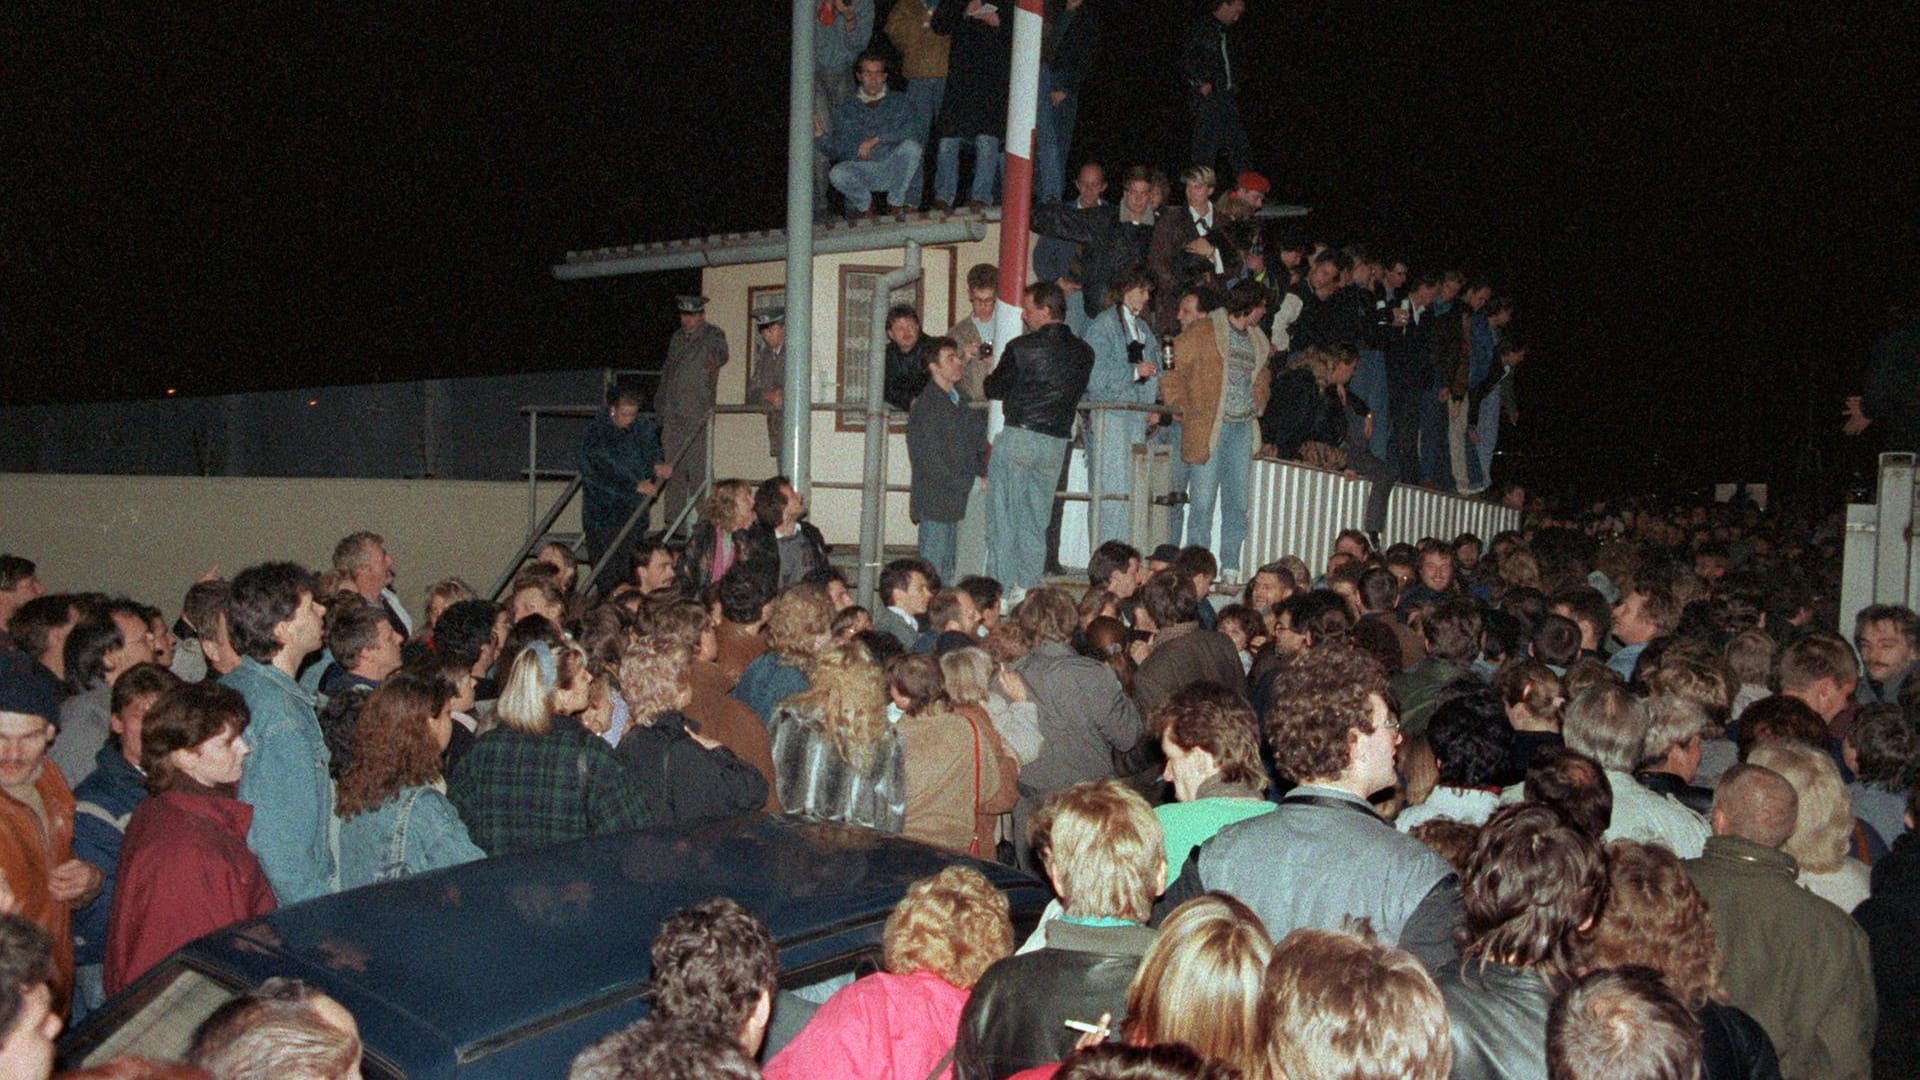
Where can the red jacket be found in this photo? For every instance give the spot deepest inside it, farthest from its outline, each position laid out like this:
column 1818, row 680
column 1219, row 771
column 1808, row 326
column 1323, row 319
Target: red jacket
column 882, row 1027
column 27, row 858
column 185, row 871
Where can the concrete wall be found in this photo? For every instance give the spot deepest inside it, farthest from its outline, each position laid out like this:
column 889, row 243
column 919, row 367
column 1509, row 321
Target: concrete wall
column 151, row 537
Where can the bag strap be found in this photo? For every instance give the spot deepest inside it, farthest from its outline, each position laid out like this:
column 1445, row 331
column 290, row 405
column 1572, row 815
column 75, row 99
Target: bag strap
column 973, row 846
column 945, row 1060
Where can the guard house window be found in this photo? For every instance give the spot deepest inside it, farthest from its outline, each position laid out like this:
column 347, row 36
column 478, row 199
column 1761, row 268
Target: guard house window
column 856, row 317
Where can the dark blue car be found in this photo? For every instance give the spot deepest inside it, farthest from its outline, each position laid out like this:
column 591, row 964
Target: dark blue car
column 508, row 967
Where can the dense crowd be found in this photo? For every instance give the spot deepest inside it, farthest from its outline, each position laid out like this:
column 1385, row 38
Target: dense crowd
column 1455, row 808
column 1608, row 796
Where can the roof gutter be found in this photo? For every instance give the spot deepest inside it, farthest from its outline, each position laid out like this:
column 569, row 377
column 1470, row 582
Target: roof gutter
column 697, row 254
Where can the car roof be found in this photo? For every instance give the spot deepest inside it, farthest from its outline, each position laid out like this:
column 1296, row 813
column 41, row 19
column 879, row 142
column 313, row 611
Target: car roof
column 470, row 955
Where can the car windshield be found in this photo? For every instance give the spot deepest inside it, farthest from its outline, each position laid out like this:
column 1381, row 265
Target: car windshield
column 159, row 1021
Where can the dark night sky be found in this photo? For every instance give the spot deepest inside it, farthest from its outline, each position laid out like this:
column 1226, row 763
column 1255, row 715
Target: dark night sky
column 1702, row 209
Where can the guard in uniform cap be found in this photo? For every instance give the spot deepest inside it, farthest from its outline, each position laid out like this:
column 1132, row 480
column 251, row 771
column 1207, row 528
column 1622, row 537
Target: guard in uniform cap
column 684, row 402
column 766, row 382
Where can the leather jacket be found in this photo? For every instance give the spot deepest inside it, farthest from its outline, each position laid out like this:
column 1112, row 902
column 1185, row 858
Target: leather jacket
column 1499, row 1017
column 1734, row 1046
column 1040, row 378
column 761, row 548
column 1015, row 1018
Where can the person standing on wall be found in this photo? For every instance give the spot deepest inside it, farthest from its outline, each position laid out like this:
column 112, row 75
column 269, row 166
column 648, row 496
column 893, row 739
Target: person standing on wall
column 1219, row 382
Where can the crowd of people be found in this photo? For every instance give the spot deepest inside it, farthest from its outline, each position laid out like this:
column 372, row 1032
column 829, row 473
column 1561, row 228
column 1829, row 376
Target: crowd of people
column 1451, row 808
column 1337, row 358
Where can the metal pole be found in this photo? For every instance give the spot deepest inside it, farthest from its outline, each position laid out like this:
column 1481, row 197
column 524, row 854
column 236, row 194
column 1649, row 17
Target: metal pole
column 873, row 493
column 1016, row 187
column 796, row 426
column 533, row 470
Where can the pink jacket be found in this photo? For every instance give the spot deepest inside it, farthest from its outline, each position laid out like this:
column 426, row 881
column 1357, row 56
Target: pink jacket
column 883, row 1027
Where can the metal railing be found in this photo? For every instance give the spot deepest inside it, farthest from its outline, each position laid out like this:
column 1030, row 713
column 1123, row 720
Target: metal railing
column 1296, row 508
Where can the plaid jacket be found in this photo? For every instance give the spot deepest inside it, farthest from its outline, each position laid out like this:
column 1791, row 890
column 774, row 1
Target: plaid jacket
column 520, row 792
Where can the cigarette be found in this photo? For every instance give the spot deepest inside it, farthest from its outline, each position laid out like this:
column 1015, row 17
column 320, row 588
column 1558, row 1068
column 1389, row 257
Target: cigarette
column 1087, row 1029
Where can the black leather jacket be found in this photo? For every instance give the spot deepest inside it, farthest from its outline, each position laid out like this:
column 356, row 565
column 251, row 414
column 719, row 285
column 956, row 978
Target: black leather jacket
column 1040, row 378
column 1499, row 1017
column 1015, row 1018
column 760, row 548
column 1734, row 1046
column 906, row 374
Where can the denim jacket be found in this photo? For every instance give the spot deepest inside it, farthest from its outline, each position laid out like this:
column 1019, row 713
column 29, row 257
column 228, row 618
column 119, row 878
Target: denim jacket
column 294, row 832
column 414, row 831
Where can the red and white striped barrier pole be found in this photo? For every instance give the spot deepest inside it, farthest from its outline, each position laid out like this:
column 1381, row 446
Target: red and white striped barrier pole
column 1016, row 186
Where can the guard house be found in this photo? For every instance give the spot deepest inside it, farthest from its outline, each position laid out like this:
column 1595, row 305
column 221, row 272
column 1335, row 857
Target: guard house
column 1295, row 509
column 745, row 273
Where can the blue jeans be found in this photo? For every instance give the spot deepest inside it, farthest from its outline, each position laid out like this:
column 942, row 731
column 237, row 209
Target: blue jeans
column 891, row 172
column 89, row 991
column 1020, row 481
column 926, row 96
column 986, row 169
column 1110, row 440
column 1223, row 479
column 1370, row 385
column 1052, row 139
column 939, row 545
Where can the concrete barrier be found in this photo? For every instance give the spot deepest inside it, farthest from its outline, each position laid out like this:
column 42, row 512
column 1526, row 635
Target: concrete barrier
column 151, row 537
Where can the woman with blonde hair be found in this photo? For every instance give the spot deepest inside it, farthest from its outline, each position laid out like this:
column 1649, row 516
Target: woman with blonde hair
column 836, row 756
column 715, row 545
column 899, row 1023
column 1655, row 917
column 960, row 775
column 799, row 626
column 1198, row 985
column 974, row 681
column 1823, row 825
column 690, row 776
column 534, row 781
column 441, row 595
column 395, row 819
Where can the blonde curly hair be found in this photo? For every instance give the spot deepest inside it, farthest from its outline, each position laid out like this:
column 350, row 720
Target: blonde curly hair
column 954, row 924
column 850, row 692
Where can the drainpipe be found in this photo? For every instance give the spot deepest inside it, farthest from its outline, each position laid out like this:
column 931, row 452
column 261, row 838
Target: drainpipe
column 873, row 493
column 1016, row 186
column 796, row 419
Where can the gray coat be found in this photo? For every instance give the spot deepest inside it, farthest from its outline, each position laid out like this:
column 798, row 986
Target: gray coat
column 769, row 374
column 1184, row 655
column 1315, row 865
column 945, row 444
column 687, row 380
column 1085, row 719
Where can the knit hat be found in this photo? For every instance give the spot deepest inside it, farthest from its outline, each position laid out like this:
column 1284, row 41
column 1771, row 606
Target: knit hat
column 22, row 690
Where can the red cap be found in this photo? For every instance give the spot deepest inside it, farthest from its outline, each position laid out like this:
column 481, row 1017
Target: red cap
column 1252, row 181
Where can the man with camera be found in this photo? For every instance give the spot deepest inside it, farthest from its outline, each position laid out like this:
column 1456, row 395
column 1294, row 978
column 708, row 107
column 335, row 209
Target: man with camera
column 1124, row 372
